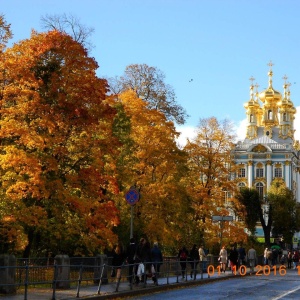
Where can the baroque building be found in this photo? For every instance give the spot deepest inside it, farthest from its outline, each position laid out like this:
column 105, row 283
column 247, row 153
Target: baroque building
column 269, row 150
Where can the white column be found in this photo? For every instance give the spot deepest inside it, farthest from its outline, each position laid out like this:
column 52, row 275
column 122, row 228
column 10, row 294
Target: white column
column 250, row 174
column 269, row 174
column 287, row 175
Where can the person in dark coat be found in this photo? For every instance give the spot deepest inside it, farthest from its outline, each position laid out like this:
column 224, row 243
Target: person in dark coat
column 290, row 259
column 118, row 259
column 143, row 254
column 242, row 256
column 295, row 259
column 233, row 257
column 156, row 257
column 194, row 260
column 183, row 257
column 157, row 260
column 274, row 257
column 130, row 258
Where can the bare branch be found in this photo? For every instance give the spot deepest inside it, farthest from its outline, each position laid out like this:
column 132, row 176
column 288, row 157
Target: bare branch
column 70, row 25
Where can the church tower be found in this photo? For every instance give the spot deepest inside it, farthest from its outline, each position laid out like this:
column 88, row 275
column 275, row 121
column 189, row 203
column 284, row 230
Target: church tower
column 269, row 150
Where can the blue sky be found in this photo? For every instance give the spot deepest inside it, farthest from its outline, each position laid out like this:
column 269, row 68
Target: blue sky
column 219, row 44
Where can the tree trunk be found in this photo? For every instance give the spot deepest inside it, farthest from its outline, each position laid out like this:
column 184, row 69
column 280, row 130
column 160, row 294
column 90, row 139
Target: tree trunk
column 267, row 227
column 28, row 247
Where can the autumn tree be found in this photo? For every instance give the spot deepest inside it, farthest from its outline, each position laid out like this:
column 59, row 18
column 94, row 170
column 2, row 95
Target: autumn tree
column 278, row 212
column 149, row 85
column 210, row 181
column 152, row 162
column 286, row 211
column 56, row 162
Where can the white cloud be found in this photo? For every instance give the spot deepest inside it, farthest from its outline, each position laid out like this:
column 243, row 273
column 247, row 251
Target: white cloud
column 185, row 133
column 240, row 129
column 297, row 123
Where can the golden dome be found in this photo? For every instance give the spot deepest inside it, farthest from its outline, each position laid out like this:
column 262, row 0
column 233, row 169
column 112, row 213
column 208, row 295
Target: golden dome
column 270, row 95
column 252, row 103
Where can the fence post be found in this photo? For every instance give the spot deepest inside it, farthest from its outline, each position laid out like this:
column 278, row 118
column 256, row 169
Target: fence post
column 54, row 281
column 168, row 270
column 63, row 274
column 79, row 280
column 132, row 276
column 100, row 281
column 100, row 260
column 178, row 271
column 186, row 266
column 26, row 281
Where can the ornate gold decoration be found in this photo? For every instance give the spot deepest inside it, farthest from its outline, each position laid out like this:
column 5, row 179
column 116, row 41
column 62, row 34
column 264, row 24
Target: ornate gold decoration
column 260, row 179
column 259, row 148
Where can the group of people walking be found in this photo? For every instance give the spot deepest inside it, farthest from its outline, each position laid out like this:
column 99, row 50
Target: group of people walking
column 141, row 259
column 194, row 257
column 237, row 257
column 275, row 256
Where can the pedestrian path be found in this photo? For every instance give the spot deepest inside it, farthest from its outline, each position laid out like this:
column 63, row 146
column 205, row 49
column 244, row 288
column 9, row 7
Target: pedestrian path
column 108, row 291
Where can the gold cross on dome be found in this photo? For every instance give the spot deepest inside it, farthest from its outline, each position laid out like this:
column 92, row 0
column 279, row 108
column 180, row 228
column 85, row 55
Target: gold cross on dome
column 270, row 64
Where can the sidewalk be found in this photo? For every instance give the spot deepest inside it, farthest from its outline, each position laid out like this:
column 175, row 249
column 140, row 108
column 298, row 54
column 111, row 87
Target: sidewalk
column 108, row 291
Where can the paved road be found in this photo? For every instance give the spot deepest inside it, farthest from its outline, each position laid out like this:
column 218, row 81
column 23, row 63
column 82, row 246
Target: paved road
column 273, row 287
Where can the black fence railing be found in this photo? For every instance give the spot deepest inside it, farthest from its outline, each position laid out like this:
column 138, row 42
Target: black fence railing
column 48, row 274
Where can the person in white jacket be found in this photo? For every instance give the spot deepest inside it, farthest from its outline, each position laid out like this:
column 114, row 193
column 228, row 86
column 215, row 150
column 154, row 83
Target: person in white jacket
column 223, row 259
column 202, row 259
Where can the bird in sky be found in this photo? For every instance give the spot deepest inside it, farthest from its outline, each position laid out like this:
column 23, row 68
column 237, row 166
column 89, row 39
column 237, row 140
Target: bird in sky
column 191, row 80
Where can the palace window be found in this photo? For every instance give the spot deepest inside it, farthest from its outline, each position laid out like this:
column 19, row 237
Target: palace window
column 284, row 117
column 259, row 172
column 278, row 172
column 241, row 185
column 242, row 173
column 270, row 115
column 260, row 188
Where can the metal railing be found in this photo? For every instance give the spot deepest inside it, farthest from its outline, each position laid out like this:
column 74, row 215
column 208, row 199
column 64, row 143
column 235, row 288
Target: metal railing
column 46, row 274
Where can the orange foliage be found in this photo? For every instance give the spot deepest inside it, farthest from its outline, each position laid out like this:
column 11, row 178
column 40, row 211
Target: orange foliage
column 56, row 144
column 154, row 168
